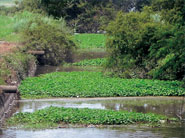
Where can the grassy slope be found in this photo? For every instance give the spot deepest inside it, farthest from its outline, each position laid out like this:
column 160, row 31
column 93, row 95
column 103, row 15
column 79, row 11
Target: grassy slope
column 90, row 40
column 7, row 32
column 94, row 84
column 53, row 116
column 6, row 27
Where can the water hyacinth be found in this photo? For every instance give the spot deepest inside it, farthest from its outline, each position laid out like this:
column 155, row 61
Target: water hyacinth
column 94, row 84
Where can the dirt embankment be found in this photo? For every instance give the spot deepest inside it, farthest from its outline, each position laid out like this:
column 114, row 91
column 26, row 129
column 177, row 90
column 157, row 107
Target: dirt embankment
column 7, row 47
column 18, row 68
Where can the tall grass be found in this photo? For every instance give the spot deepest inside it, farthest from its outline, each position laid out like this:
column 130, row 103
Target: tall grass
column 21, row 19
column 11, row 27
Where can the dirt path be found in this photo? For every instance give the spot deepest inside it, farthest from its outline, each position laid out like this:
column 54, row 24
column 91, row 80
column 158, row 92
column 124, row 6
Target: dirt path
column 6, row 47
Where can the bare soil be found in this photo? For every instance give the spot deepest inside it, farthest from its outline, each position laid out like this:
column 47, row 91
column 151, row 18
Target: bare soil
column 7, row 47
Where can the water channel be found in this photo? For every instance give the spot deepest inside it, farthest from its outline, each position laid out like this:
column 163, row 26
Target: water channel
column 169, row 106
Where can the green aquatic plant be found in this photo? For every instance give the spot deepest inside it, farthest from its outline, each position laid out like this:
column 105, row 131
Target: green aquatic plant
column 53, row 116
column 91, row 62
column 95, row 84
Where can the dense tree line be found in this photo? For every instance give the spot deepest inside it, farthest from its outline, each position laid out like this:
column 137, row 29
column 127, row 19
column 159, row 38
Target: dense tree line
column 145, row 39
column 83, row 15
column 149, row 44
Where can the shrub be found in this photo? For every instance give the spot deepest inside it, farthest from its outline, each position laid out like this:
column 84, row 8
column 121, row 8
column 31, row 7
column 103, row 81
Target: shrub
column 50, row 37
column 141, row 45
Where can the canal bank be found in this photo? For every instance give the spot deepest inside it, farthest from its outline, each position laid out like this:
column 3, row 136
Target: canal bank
column 159, row 105
column 15, row 67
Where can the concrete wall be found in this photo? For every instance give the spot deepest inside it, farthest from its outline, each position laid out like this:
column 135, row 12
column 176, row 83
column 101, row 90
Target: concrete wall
column 9, row 101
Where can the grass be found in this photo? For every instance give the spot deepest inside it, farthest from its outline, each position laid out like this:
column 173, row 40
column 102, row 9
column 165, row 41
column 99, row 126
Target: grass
column 7, row 30
column 2, row 81
column 90, row 40
column 15, row 63
column 94, row 84
column 91, row 62
column 6, row 27
column 53, row 116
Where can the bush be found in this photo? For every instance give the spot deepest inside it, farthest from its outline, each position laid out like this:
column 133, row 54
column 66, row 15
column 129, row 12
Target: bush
column 141, row 45
column 34, row 6
column 50, row 37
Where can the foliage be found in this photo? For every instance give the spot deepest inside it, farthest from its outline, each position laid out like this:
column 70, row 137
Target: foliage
column 172, row 11
column 131, row 5
column 20, row 63
column 90, row 40
column 59, row 115
column 94, row 17
column 91, row 62
column 39, row 32
column 15, row 64
column 85, row 16
column 145, row 45
column 48, row 35
column 34, row 6
column 4, row 71
column 94, row 84
column 21, row 19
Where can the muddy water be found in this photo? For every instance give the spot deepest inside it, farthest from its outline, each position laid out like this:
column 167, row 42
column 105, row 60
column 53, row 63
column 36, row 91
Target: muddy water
column 81, row 55
column 162, row 105
column 172, row 107
column 125, row 132
column 49, row 69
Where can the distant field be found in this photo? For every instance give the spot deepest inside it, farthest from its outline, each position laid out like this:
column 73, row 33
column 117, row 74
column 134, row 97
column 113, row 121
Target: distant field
column 90, row 40
column 91, row 62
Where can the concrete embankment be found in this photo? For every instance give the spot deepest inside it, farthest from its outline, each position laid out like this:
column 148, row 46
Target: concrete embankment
column 9, row 93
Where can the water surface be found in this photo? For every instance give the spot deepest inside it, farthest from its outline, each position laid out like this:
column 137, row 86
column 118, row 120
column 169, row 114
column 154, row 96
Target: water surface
column 169, row 106
column 178, row 132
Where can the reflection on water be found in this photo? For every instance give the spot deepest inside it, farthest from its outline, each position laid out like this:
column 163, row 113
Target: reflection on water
column 97, row 133
column 165, row 105
column 172, row 107
column 80, row 55
column 49, row 69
